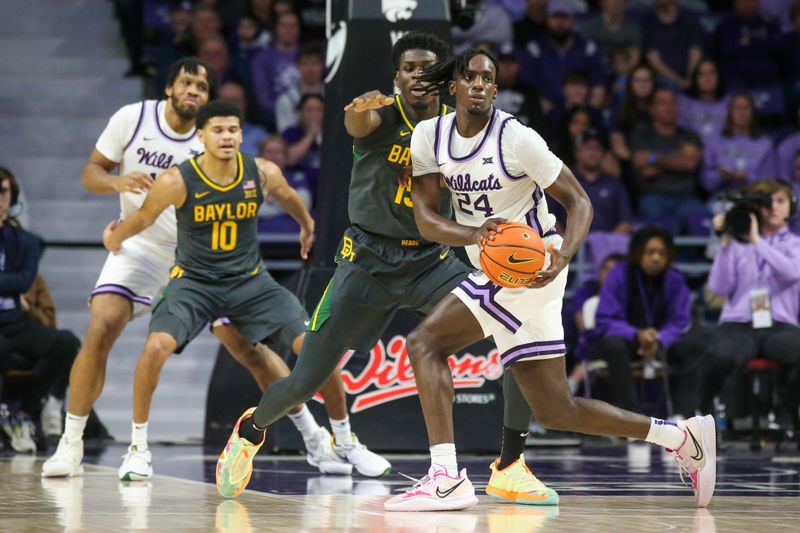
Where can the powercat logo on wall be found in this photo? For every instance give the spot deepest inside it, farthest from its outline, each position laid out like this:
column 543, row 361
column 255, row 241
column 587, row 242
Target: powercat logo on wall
column 387, row 375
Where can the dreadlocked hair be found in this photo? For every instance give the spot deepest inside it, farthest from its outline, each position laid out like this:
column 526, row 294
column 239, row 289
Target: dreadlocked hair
column 417, row 40
column 443, row 72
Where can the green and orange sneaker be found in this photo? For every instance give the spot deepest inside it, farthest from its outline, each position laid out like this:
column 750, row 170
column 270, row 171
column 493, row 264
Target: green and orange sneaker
column 235, row 463
column 516, row 483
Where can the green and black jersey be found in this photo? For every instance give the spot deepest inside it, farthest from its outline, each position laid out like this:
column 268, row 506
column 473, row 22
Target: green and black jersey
column 377, row 203
column 217, row 224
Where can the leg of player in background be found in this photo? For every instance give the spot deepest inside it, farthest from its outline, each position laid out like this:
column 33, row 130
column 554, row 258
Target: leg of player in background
column 109, row 314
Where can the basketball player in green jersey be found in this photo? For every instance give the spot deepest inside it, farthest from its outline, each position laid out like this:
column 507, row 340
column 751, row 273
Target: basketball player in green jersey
column 218, row 262
column 384, row 264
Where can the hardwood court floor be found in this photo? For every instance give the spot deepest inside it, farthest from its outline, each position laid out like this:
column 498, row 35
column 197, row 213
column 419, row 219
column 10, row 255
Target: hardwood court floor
column 602, row 489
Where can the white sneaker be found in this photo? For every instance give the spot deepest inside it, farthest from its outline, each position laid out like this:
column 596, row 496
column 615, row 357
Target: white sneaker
column 437, row 491
column 136, row 465
column 21, row 432
column 66, row 462
column 697, row 456
column 365, row 462
column 321, row 455
column 51, row 419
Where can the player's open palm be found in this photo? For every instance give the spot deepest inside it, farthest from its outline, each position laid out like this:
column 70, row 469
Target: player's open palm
column 134, row 182
column 369, row 100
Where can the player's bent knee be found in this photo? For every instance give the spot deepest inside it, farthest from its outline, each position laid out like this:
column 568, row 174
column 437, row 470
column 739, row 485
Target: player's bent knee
column 419, row 343
column 160, row 345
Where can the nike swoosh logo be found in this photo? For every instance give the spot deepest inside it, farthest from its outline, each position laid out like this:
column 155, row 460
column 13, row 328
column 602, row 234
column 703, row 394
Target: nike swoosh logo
column 404, row 133
column 523, row 434
column 514, row 260
column 444, row 254
column 697, row 447
column 449, row 491
column 201, row 194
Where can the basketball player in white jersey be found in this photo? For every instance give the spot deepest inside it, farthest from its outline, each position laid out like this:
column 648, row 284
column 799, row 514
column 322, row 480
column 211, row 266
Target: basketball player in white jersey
column 144, row 139
column 496, row 169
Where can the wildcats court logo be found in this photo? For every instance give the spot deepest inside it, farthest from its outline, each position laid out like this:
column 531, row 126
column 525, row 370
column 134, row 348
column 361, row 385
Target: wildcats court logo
column 387, row 375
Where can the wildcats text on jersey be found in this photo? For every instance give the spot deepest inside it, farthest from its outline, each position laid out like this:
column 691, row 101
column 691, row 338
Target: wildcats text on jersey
column 465, row 183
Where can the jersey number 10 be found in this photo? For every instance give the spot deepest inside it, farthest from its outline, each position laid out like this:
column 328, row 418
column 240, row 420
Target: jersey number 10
column 223, row 235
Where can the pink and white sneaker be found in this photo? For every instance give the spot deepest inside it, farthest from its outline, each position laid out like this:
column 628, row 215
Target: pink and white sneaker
column 437, row 491
column 697, row 456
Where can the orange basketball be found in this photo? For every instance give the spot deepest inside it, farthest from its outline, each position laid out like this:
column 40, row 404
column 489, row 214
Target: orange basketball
column 514, row 256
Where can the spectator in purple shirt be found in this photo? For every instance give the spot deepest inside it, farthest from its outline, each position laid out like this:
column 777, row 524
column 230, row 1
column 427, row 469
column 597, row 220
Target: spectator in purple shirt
column 786, row 154
column 748, row 47
column 560, row 51
column 632, row 110
column 705, row 106
column 761, row 281
column 612, row 209
column 665, row 161
column 742, row 154
column 794, row 222
column 672, row 42
column 274, row 70
column 305, row 139
column 643, row 313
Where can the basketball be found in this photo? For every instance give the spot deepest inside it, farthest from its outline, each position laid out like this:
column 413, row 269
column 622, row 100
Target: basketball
column 514, row 255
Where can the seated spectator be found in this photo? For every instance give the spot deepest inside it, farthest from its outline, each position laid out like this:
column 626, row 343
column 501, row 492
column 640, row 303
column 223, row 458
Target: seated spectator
column 794, row 222
column 305, row 140
column 515, row 96
column 619, row 69
column 633, row 110
column 761, row 280
column 787, row 150
column 643, row 312
column 311, row 66
column 574, row 94
column 705, row 106
column 272, row 218
column 252, row 134
column 274, row 70
column 214, row 51
column 611, row 30
column 748, row 47
column 25, row 343
column 612, row 208
column 492, row 24
column 533, row 25
column 742, row 153
column 666, row 159
column 672, row 42
column 580, row 318
column 250, row 38
column 559, row 52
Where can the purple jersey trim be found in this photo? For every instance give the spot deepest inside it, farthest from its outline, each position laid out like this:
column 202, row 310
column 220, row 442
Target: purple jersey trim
column 477, row 150
column 533, row 349
column 437, row 138
column 500, row 152
column 121, row 291
column 138, row 125
column 484, row 294
column 165, row 134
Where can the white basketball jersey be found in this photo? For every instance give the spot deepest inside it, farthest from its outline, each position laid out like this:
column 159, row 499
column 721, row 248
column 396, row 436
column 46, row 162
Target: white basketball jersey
column 152, row 150
column 481, row 185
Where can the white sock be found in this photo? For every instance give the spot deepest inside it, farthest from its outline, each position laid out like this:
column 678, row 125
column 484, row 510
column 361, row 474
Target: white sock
column 445, row 455
column 665, row 433
column 74, row 426
column 341, row 431
column 305, row 424
column 139, row 435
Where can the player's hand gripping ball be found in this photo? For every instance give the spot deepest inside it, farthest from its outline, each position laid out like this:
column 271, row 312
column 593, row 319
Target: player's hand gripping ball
column 514, row 256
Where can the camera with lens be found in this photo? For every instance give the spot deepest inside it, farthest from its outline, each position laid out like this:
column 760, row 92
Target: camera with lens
column 737, row 218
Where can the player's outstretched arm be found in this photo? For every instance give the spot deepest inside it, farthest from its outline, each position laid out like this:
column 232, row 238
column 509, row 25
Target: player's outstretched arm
column 97, row 177
column 569, row 193
column 274, row 183
column 360, row 117
column 425, row 191
column 168, row 189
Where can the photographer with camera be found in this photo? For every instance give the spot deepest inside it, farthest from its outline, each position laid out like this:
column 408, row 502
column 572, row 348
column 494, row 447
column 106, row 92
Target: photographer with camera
column 757, row 268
